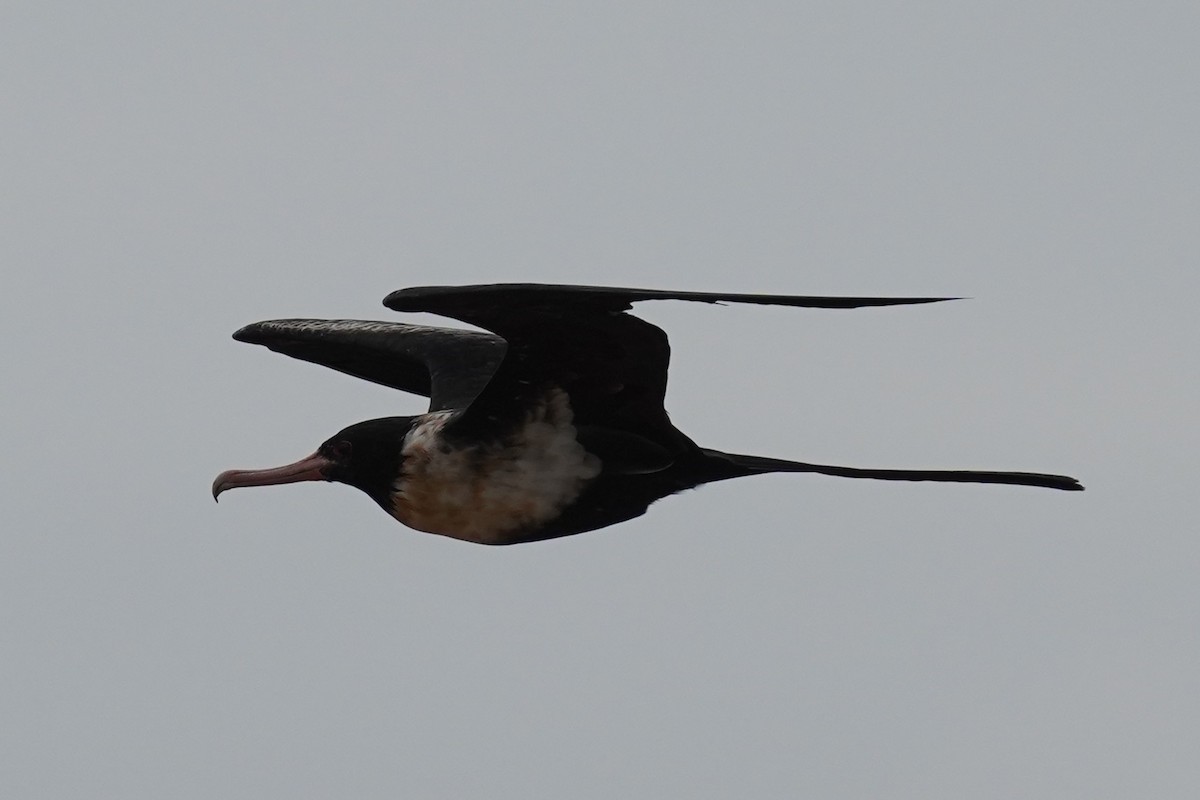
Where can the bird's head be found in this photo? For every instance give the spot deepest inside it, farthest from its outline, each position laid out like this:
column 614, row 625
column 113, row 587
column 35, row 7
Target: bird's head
column 366, row 456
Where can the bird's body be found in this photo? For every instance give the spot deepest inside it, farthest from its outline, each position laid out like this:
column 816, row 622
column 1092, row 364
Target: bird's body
column 485, row 491
column 550, row 424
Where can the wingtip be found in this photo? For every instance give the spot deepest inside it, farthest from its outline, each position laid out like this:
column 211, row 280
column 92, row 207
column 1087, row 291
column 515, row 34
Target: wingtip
column 410, row 298
column 391, row 298
column 255, row 332
column 1064, row 482
column 258, row 332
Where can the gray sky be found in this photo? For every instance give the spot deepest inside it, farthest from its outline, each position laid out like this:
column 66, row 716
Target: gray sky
column 171, row 173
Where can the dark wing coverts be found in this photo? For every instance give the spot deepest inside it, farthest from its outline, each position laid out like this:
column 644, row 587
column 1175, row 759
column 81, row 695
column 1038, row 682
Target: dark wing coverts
column 451, row 301
column 611, row 364
column 448, row 366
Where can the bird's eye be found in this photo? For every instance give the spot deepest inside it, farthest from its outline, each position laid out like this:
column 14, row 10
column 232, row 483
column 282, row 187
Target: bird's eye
column 341, row 449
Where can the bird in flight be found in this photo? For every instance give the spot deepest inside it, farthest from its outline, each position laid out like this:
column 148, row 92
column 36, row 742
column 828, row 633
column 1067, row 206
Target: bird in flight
column 551, row 423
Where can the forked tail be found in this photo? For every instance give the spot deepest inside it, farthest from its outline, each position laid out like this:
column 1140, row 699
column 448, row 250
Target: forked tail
column 739, row 465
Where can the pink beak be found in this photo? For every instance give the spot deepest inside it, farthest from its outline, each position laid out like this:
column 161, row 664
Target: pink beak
column 309, row 468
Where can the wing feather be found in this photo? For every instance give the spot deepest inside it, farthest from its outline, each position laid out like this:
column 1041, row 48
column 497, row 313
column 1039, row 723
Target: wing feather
column 613, row 365
column 446, row 299
column 449, row 366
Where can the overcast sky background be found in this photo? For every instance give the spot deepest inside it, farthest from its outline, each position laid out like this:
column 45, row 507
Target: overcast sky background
column 173, row 172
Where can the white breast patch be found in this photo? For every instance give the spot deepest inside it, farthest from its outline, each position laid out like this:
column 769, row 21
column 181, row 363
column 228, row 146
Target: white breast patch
column 485, row 491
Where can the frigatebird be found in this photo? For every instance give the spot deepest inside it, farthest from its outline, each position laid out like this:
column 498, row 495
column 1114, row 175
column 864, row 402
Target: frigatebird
column 548, row 424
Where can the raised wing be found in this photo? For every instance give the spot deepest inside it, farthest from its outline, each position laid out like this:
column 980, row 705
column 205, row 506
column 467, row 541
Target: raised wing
column 446, row 299
column 611, row 364
column 448, row 366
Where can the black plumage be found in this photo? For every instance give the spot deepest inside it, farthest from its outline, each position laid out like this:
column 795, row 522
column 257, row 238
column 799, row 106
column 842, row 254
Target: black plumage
column 550, row 423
